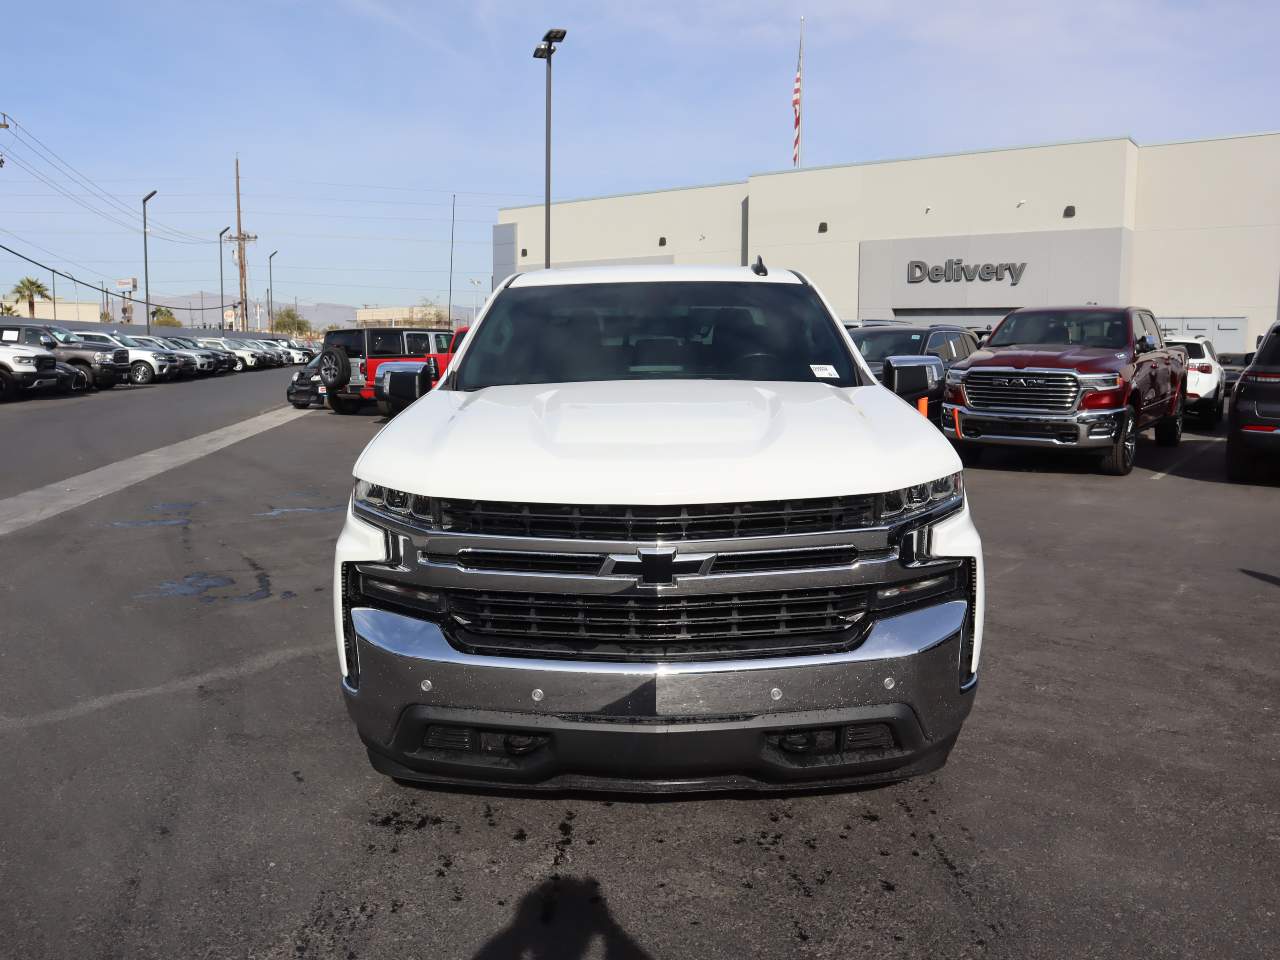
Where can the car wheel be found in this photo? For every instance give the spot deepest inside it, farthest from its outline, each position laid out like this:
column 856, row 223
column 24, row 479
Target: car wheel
column 8, row 389
column 1239, row 463
column 384, row 409
column 1119, row 458
column 344, row 405
column 1169, row 430
column 239, row 364
column 335, row 368
column 141, row 373
column 300, row 404
column 1216, row 416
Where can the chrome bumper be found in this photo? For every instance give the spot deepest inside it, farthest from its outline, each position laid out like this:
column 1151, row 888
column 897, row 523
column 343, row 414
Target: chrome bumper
column 1079, row 429
column 910, row 659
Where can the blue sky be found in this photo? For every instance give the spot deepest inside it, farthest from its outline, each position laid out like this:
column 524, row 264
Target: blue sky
column 356, row 119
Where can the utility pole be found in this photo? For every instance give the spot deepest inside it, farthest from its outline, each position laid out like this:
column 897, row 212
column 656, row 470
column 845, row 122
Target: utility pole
column 222, row 293
column 54, row 277
column 271, row 292
column 146, row 269
column 241, row 238
column 448, row 306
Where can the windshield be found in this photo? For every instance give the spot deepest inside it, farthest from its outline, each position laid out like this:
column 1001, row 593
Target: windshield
column 238, row 344
column 134, row 342
column 61, row 335
column 1268, row 354
column 1195, row 351
column 1083, row 328
column 657, row 331
column 181, row 342
column 876, row 345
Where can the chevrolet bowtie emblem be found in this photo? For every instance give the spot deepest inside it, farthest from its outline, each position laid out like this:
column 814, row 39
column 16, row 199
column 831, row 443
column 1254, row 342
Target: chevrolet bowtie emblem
column 656, row 566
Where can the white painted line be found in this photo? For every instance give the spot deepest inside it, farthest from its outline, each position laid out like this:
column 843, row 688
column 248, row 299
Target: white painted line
column 24, row 509
column 264, row 661
column 1187, row 459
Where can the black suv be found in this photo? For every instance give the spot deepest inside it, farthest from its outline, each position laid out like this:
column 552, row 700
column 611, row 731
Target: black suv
column 104, row 367
column 1253, row 419
column 946, row 342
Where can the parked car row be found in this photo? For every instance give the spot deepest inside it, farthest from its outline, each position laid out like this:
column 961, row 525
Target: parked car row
column 37, row 357
column 1087, row 379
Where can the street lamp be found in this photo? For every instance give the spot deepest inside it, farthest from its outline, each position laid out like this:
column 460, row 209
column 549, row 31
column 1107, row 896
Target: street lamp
column 544, row 51
column 475, row 303
column 271, row 289
column 146, row 270
column 222, row 295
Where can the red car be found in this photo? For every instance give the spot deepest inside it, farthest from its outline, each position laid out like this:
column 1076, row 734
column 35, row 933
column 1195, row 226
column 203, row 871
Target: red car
column 350, row 359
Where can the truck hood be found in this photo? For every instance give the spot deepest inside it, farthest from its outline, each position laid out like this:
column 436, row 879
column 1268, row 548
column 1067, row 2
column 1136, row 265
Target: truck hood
column 657, row 442
column 1049, row 357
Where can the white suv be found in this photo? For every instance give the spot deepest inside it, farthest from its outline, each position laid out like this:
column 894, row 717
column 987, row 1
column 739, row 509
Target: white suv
column 1206, row 379
column 659, row 528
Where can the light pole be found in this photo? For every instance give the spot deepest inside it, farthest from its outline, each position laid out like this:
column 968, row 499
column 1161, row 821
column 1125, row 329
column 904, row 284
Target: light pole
column 544, row 51
column 271, row 290
column 146, row 270
column 222, row 295
column 475, row 303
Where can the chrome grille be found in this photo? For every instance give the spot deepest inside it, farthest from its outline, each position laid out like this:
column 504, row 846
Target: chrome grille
column 657, row 619
column 120, row 356
column 656, row 523
column 1021, row 390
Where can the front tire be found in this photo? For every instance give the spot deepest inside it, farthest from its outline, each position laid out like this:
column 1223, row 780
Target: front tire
column 239, row 365
column 1119, row 458
column 1169, row 430
column 8, row 389
column 344, row 406
column 141, row 373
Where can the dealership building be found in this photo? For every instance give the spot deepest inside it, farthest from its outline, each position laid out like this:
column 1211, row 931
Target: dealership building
column 1190, row 230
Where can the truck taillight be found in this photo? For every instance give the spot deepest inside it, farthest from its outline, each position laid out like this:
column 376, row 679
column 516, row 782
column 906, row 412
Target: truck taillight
column 1101, row 399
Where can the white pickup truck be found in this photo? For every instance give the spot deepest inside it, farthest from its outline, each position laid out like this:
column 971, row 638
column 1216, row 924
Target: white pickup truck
column 659, row 528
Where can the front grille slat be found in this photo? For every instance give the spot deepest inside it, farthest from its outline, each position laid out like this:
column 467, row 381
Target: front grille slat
column 658, row 523
column 658, row 619
column 1018, row 390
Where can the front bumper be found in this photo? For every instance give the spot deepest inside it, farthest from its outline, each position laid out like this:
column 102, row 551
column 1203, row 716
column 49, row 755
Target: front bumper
column 889, row 709
column 1077, row 430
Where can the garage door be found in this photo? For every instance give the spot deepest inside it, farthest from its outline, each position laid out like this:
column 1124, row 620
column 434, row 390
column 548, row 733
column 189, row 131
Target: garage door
column 1227, row 334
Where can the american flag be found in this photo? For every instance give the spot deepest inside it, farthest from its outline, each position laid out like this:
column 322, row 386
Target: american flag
column 795, row 100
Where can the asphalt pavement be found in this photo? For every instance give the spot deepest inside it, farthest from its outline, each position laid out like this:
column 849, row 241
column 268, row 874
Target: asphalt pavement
column 181, row 779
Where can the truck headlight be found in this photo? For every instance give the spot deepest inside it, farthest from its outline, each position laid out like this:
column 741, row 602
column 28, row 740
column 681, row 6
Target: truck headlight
column 373, row 496
column 24, row 360
column 102, row 358
column 923, row 497
column 955, row 376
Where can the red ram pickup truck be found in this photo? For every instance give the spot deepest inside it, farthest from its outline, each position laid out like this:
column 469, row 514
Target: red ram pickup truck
column 1069, row 378
column 349, row 359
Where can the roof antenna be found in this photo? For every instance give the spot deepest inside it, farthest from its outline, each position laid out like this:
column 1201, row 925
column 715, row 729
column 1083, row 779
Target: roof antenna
column 758, row 268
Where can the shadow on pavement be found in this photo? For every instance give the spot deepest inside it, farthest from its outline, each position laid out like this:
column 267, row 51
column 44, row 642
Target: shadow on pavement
column 559, row 920
column 1264, row 577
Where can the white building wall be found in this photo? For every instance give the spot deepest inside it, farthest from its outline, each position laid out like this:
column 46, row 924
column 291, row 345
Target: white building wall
column 701, row 225
column 1207, row 242
column 1199, row 222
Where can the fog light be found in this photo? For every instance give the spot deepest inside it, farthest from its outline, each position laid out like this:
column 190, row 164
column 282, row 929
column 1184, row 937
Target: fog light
column 518, row 744
column 901, row 593
column 807, row 741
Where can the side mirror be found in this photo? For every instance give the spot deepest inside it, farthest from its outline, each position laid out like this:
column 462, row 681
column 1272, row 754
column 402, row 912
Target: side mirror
column 47, row 342
column 433, row 368
column 1146, row 343
column 916, row 379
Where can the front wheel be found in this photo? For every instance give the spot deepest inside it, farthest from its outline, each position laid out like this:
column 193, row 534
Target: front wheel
column 8, row 389
column 1169, row 430
column 239, row 365
column 1118, row 460
column 1216, row 416
column 141, row 373
column 344, row 405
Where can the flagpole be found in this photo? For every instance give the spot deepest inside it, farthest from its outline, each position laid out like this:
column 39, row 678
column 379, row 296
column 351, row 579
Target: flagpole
column 800, row 71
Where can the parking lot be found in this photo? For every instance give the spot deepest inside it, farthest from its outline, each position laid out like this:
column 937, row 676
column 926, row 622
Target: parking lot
column 183, row 781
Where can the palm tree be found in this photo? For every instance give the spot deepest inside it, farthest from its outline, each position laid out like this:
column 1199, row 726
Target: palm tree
column 6, row 310
column 28, row 288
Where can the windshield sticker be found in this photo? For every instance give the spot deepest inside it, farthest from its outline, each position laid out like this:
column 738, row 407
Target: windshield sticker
column 824, row 371
column 10, row 335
